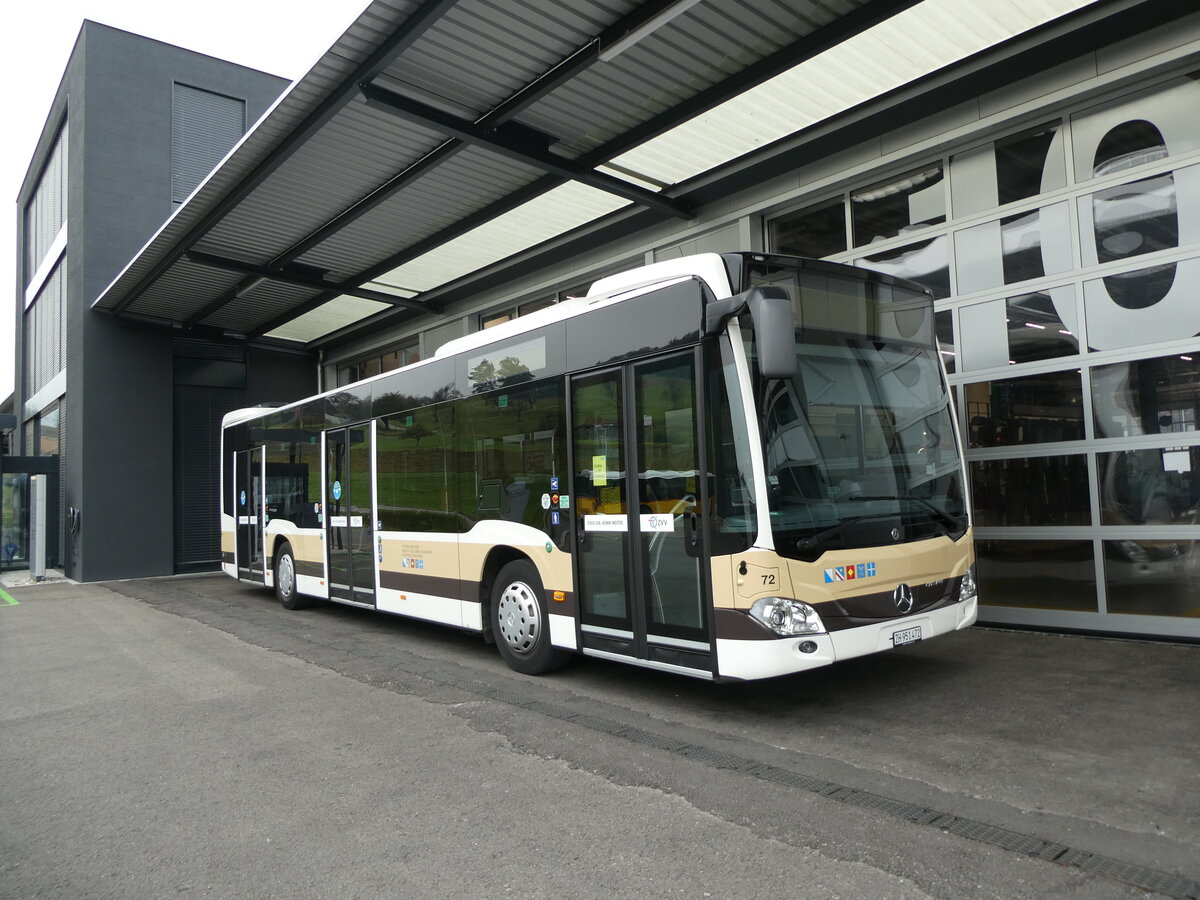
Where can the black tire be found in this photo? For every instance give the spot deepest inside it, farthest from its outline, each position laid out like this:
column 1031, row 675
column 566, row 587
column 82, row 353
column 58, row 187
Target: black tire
column 519, row 622
column 285, row 579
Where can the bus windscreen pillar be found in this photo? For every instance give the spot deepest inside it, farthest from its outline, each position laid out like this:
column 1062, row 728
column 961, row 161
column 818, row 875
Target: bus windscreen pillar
column 38, row 484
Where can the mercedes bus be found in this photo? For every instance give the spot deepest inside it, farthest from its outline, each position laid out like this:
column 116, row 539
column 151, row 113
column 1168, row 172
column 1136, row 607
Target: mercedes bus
column 728, row 466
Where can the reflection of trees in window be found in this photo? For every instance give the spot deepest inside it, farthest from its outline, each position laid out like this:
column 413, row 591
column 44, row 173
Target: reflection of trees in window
column 486, row 376
column 509, row 447
column 395, row 401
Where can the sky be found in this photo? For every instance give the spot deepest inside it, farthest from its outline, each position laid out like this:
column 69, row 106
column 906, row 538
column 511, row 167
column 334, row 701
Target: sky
column 277, row 36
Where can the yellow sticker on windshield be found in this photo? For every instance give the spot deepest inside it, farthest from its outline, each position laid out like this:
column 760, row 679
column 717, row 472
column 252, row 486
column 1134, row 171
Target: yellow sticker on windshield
column 599, row 470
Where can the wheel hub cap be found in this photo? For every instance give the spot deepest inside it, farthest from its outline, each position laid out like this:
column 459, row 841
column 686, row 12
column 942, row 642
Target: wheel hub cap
column 519, row 617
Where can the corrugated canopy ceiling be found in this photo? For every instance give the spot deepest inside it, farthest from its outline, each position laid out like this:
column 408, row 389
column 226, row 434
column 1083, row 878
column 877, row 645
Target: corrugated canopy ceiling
column 436, row 139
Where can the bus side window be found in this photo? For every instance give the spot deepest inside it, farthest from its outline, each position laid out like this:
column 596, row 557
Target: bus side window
column 511, row 450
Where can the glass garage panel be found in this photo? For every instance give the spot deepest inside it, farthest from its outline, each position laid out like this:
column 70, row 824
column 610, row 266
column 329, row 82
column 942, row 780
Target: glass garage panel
column 926, row 262
column 1153, row 578
column 898, row 206
column 1012, row 168
column 815, row 231
column 1149, row 487
column 1147, row 396
column 1031, row 492
column 1137, row 129
column 1035, row 409
column 1041, row 325
column 1043, row 574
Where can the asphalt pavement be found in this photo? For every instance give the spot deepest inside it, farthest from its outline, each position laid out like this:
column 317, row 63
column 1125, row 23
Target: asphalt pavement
column 189, row 736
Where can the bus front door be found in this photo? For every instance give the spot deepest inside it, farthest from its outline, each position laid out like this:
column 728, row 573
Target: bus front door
column 250, row 505
column 349, row 514
column 639, row 502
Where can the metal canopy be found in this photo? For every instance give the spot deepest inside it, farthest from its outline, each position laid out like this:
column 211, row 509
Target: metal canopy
column 437, row 139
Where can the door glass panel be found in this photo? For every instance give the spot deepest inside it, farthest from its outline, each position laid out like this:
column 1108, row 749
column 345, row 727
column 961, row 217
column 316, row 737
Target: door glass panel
column 14, row 519
column 599, row 498
column 247, row 503
column 337, row 506
column 362, row 525
column 254, row 504
column 668, row 463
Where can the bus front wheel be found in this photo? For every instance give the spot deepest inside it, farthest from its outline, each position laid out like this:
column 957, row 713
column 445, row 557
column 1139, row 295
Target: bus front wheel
column 519, row 621
column 285, row 579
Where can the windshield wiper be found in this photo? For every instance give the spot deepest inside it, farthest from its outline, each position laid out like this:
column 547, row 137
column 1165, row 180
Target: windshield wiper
column 951, row 522
column 812, row 541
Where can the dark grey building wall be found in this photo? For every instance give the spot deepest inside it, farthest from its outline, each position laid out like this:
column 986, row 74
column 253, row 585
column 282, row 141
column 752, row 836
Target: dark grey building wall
column 117, row 93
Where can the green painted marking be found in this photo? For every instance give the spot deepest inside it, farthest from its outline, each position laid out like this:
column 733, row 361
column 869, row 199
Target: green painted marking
column 7, row 598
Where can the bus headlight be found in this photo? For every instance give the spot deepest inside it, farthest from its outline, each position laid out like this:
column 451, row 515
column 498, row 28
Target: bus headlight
column 787, row 617
column 968, row 590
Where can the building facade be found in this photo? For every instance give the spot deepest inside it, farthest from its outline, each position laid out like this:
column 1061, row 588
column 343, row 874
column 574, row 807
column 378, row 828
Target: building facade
column 131, row 412
column 1056, row 218
column 1050, row 200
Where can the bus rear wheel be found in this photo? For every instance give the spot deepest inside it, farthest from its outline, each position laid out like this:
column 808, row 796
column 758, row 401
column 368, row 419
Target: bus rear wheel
column 285, row 579
column 519, row 621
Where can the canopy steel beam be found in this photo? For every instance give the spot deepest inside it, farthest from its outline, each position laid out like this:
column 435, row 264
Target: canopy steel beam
column 781, row 60
column 542, row 86
column 301, row 279
column 519, row 151
column 424, row 18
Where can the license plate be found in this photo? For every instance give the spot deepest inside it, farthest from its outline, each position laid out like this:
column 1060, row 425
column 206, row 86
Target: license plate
column 907, row 636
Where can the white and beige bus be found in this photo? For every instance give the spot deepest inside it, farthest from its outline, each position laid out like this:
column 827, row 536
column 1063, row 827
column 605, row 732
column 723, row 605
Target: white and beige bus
column 729, row 466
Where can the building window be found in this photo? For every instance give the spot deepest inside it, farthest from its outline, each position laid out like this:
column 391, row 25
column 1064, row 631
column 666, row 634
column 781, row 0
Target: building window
column 204, row 127
column 898, row 206
column 500, row 316
column 815, row 231
column 47, row 210
column 46, row 440
column 45, row 332
column 374, row 365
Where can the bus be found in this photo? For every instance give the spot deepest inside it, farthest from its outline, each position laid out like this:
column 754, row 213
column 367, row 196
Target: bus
column 728, row 466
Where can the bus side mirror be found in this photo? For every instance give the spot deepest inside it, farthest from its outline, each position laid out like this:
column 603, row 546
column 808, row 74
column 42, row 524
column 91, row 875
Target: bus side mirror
column 774, row 330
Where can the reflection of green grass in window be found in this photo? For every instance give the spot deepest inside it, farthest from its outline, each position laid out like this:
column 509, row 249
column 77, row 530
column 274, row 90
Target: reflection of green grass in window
column 413, row 469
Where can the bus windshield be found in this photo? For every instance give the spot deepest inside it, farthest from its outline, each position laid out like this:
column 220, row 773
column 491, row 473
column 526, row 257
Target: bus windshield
column 859, row 444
